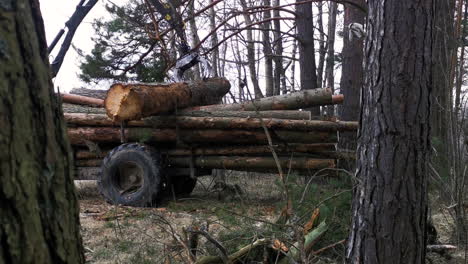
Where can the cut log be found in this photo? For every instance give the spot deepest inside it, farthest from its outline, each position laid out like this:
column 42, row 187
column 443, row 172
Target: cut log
column 134, row 101
column 280, row 114
column 245, row 163
column 231, row 150
column 216, row 123
column 234, row 162
column 79, row 136
column 292, row 101
column 81, row 100
column 94, row 93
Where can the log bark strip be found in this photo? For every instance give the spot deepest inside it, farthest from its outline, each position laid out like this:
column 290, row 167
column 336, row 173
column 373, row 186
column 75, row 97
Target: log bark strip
column 292, row 101
column 216, row 123
column 81, row 100
column 234, row 162
column 134, row 101
column 78, row 136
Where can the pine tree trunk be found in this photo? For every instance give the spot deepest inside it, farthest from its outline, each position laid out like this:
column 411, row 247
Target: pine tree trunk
column 330, row 75
column 267, row 51
column 39, row 212
column 389, row 206
column 305, row 35
column 279, row 78
column 351, row 78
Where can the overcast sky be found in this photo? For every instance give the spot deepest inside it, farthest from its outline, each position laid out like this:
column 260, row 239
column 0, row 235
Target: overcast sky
column 55, row 14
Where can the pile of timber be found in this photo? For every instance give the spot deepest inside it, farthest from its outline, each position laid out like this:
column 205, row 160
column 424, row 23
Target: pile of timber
column 175, row 119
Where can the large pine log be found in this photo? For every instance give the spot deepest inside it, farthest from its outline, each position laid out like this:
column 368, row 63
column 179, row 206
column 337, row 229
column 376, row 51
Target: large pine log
column 81, row 100
column 134, row 101
column 292, row 101
column 216, row 123
column 235, row 162
column 79, row 136
column 320, row 149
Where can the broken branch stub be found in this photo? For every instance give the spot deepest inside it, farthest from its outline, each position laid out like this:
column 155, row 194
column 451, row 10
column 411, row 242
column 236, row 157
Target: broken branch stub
column 135, row 101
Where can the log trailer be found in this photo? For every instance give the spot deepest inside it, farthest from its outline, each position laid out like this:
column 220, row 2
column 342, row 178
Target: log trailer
column 146, row 148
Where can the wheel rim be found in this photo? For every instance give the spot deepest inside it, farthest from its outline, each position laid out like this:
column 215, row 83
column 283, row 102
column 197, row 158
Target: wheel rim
column 129, row 178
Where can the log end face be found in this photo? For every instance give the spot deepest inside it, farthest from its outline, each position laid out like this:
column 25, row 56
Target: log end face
column 122, row 104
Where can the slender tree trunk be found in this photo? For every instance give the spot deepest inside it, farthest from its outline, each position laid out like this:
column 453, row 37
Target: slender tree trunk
column 322, row 51
column 443, row 49
column 267, row 51
column 214, row 42
column 305, row 34
column 251, row 53
column 279, row 78
column 39, row 210
column 351, row 79
column 331, row 51
column 389, row 206
column 194, row 38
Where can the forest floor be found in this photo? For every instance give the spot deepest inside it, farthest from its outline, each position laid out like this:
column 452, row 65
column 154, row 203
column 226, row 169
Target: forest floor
column 119, row 234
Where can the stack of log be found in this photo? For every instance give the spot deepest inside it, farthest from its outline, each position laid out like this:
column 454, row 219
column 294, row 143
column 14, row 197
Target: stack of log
column 176, row 120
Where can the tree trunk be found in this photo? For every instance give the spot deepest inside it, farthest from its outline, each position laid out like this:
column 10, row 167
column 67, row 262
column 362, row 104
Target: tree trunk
column 251, row 52
column 305, row 35
column 189, row 122
column 297, row 100
column 134, row 101
column 330, row 75
column 194, row 38
column 351, row 78
column 322, row 51
column 39, row 212
column 279, row 78
column 214, row 42
column 267, row 51
column 80, row 136
column 389, row 206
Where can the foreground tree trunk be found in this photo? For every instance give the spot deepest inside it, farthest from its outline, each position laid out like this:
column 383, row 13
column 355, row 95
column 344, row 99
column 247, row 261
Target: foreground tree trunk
column 39, row 212
column 393, row 146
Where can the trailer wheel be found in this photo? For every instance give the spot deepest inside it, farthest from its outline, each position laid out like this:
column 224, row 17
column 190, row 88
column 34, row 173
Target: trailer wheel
column 183, row 185
column 131, row 175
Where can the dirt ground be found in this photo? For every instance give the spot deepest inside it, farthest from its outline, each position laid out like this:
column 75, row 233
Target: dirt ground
column 117, row 234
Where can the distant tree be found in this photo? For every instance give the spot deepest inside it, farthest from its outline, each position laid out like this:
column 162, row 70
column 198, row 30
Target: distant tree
column 127, row 47
column 351, row 77
column 39, row 210
column 390, row 200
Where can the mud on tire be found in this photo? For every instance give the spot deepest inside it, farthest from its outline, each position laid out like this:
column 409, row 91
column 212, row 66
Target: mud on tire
column 131, row 175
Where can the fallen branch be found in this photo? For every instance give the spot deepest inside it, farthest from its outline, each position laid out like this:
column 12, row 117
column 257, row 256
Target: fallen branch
column 81, row 100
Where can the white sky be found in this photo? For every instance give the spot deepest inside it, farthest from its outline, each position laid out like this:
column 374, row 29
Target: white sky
column 55, row 13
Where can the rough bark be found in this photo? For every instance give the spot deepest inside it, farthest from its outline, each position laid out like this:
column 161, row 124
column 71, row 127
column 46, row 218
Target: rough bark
column 81, row 100
column 80, row 136
column 38, row 210
column 292, row 101
column 134, row 101
column 351, row 78
column 305, row 35
column 100, row 94
column 279, row 78
column 216, row 123
column 389, row 206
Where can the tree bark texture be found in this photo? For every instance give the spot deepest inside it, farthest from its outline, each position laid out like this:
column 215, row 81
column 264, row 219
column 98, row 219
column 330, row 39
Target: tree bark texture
column 351, row 78
column 290, row 101
column 80, row 136
column 134, row 101
column 38, row 209
column 216, row 123
column 267, row 51
column 389, row 206
column 305, row 35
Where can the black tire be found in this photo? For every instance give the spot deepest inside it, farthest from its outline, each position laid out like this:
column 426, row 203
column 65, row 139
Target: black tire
column 183, row 185
column 131, row 175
